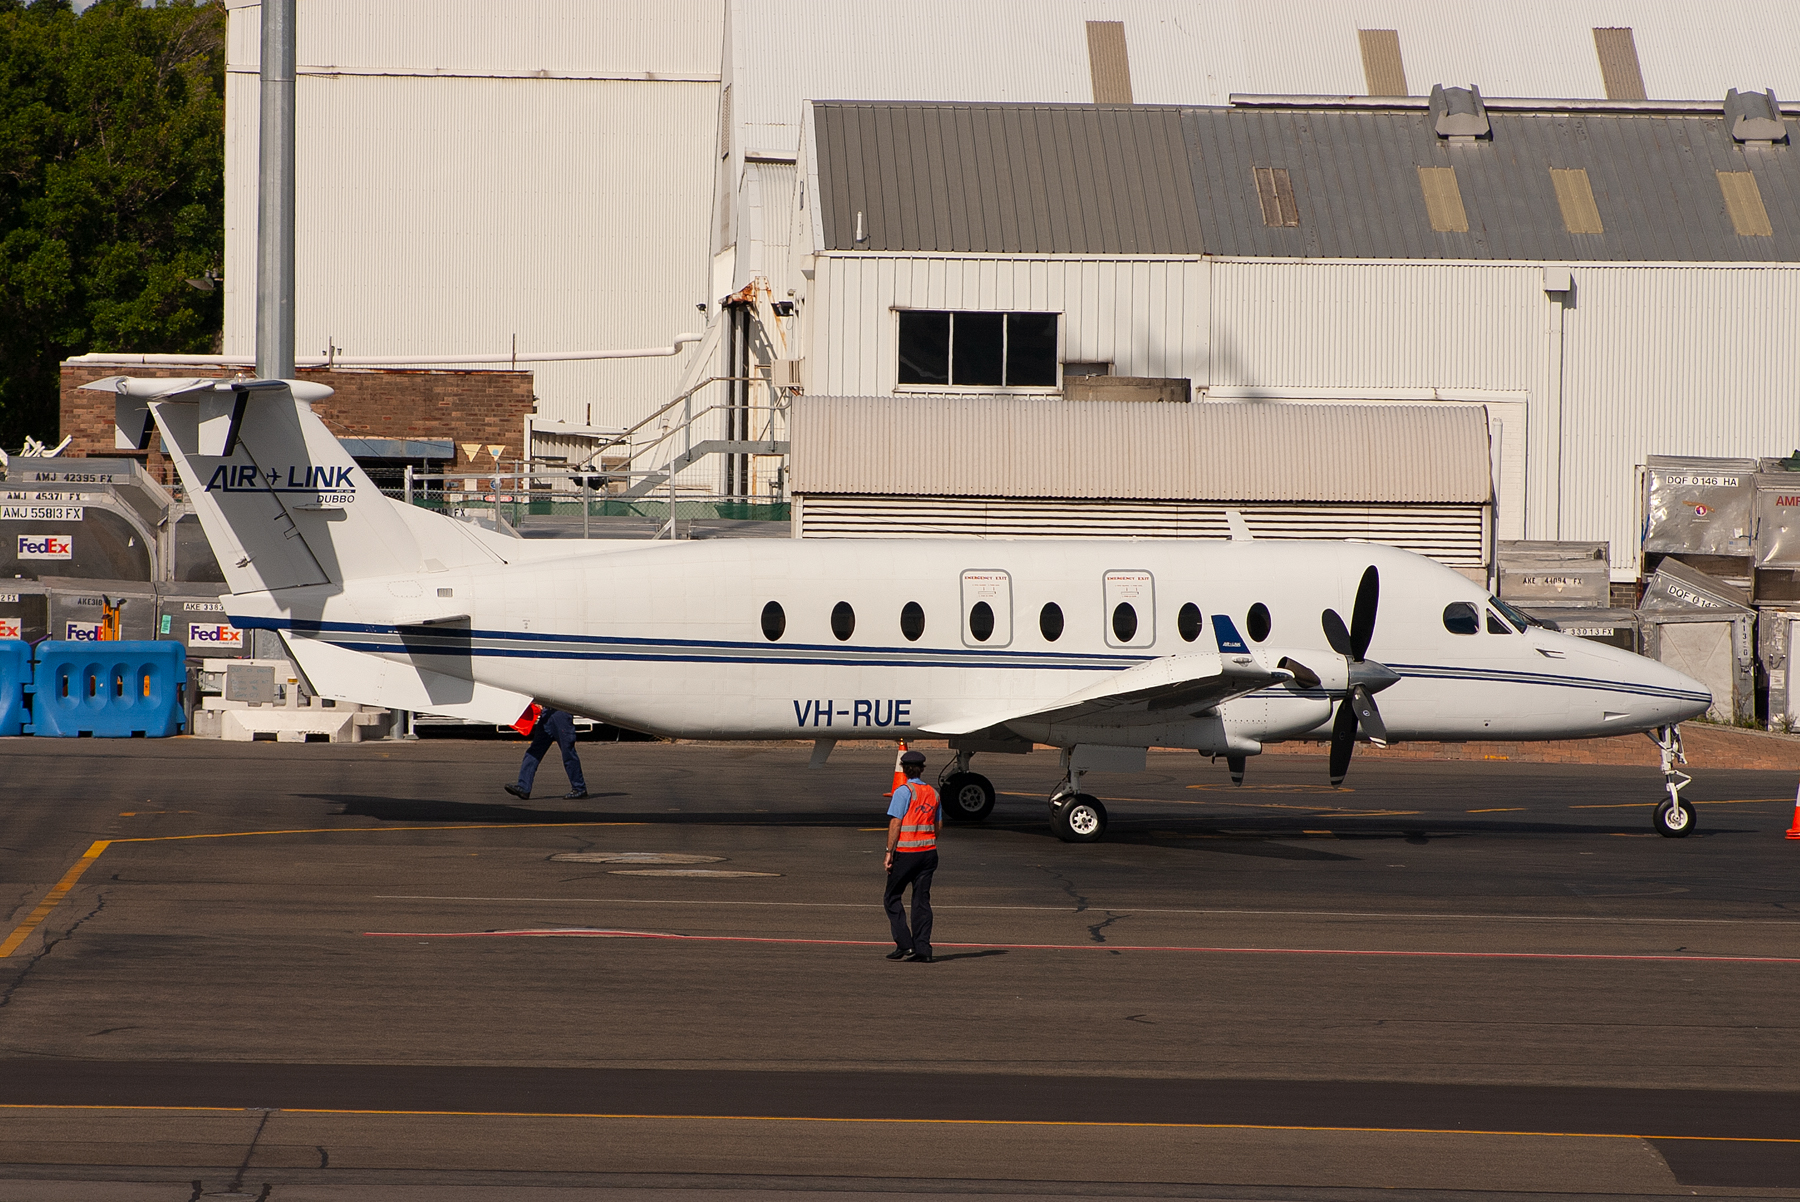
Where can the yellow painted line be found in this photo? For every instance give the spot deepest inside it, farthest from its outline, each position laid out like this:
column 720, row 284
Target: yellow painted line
column 37, row 916
column 1500, row 810
column 934, row 1122
column 56, row 894
column 373, row 830
column 1635, row 805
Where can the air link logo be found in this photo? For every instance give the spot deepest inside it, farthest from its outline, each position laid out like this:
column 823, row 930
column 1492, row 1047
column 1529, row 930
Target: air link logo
column 307, row 477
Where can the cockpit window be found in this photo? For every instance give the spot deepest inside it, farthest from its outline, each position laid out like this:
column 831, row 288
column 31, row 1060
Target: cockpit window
column 1496, row 626
column 1519, row 620
column 1460, row 618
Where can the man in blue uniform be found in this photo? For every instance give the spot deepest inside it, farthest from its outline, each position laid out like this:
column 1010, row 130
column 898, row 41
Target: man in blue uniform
column 552, row 726
column 914, row 819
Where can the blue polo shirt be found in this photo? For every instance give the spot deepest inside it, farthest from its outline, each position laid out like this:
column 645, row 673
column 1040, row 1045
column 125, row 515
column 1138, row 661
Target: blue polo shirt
column 902, row 798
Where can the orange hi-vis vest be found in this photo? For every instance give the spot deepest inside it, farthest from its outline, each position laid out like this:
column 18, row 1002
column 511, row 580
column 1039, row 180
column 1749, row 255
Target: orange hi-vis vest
column 918, row 828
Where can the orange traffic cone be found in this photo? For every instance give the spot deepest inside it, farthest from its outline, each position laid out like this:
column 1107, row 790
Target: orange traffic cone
column 1793, row 832
column 900, row 773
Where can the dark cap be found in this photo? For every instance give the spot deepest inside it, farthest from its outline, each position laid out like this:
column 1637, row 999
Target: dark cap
column 914, row 758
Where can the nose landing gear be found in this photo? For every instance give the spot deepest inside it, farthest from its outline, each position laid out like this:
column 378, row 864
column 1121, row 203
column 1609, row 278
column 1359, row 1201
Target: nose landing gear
column 1674, row 818
column 966, row 796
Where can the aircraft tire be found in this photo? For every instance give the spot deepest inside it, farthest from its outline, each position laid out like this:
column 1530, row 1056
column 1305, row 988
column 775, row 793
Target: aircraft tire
column 967, row 797
column 1079, row 819
column 1673, row 823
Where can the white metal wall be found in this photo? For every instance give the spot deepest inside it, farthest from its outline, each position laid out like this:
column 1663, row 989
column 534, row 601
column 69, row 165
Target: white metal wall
column 467, row 174
column 785, row 52
column 1456, row 535
column 1671, row 361
column 1147, row 316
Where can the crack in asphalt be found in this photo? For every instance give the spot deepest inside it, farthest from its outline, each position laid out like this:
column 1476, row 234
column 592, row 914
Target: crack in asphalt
column 50, row 942
column 1095, row 929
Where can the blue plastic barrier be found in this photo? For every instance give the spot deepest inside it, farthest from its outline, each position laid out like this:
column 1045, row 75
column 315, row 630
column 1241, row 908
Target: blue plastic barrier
column 15, row 674
column 116, row 690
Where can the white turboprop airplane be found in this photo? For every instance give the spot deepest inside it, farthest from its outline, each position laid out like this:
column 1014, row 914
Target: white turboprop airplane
column 1101, row 648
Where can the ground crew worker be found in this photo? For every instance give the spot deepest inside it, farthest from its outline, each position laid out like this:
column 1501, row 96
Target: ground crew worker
column 552, row 726
column 914, row 819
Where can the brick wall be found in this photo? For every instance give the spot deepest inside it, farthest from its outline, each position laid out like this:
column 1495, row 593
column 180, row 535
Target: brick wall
column 484, row 407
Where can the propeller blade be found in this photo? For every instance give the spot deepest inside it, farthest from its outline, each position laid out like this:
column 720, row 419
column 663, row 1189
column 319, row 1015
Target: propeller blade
column 1362, row 618
column 1236, row 764
column 1335, row 632
column 1304, row 676
column 1343, row 741
column 1363, row 702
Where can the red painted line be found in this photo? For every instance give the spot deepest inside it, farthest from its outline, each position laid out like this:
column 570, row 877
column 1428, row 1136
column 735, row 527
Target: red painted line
column 609, row 933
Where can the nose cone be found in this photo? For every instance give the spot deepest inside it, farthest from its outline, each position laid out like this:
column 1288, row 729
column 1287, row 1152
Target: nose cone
column 1659, row 695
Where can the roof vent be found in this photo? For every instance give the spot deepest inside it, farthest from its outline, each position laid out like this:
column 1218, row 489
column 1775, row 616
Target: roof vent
column 1458, row 114
column 1754, row 117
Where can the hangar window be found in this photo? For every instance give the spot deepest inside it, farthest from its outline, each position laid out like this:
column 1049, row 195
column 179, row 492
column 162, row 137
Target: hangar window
column 1460, row 618
column 1050, row 621
column 1188, row 622
column 912, row 621
column 1257, row 622
column 774, row 621
column 843, row 620
column 981, row 621
column 1276, row 195
column 968, row 349
column 1124, row 622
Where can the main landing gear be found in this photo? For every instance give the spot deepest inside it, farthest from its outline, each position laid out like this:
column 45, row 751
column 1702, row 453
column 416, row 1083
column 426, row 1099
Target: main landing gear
column 1674, row 818
column 966, row 796
column 1076, row 817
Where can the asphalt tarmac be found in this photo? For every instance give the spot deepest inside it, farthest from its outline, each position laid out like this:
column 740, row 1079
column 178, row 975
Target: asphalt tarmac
column 348, row 972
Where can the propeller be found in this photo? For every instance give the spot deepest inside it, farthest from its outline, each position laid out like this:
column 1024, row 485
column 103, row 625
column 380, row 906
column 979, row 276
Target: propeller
column 1366, row 676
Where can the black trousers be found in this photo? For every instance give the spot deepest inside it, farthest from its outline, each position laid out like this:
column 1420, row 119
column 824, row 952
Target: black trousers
column 915, row 868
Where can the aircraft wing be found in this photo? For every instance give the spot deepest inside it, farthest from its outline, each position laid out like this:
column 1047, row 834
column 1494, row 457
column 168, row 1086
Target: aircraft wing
column 1160, row 690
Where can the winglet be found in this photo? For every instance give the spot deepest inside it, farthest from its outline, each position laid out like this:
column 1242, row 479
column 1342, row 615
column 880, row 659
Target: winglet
column 1240, row 529
column 1230, row 642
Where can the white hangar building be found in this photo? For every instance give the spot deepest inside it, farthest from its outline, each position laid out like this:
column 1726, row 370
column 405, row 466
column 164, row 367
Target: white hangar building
column 1604, row 279
column 558, row 175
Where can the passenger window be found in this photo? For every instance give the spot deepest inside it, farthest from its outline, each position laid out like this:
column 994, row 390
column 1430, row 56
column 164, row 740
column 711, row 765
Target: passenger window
column 1496, row 626
column 1124, row 622
column 981, row 621
column 1257, row 622
column 1460, row 618
column 1050, row 621
column 912, row 621
column 774, row 621
column 843, row 621
column 1188, row 622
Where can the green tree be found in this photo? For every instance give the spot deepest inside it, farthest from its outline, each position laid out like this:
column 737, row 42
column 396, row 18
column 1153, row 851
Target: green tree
column 112, row 188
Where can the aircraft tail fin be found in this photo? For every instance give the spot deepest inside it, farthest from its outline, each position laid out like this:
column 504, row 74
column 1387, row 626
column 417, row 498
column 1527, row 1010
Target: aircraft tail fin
column 282, row 502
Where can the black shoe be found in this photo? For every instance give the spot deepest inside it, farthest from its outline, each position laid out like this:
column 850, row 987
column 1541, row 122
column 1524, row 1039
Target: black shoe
column 917, row 958
column 575, row 795
column 898, row 953
column 521, row 794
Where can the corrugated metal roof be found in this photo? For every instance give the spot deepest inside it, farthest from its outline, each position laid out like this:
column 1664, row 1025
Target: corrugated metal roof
column 1355, row 179
column 1016, row 179
column 1219, row 451
column 1045, row 179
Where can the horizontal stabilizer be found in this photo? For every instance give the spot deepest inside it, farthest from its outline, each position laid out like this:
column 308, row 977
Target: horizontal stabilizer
column 346, row 675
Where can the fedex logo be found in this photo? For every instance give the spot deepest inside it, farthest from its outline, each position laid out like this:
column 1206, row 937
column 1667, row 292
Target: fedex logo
column 217, row 635
column 83, row 632
column 46, row 546
column 11, row 628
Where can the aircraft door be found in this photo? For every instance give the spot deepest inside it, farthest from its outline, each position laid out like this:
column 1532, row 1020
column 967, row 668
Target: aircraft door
column 1130, row 613
column 986, row 608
